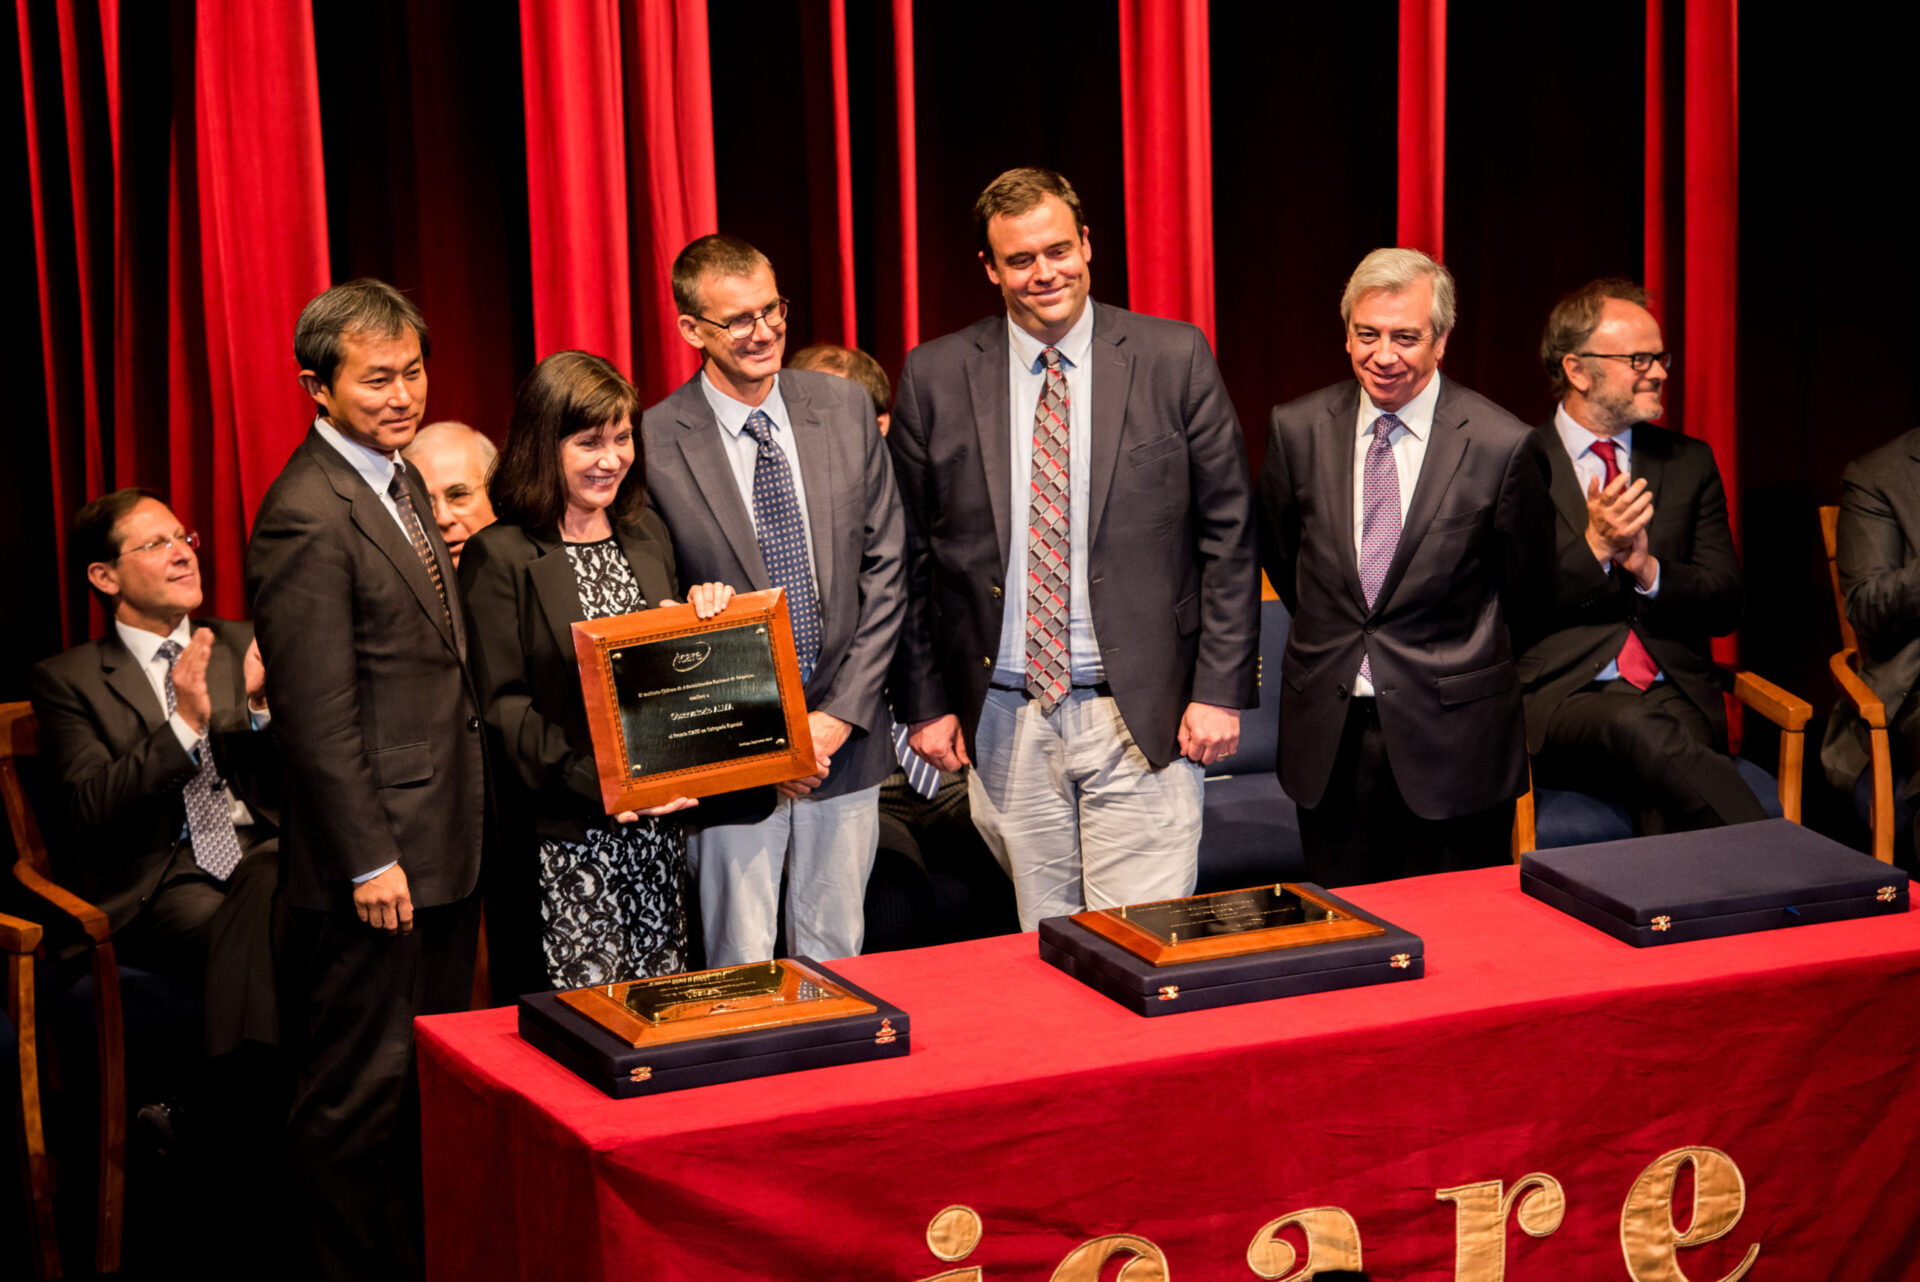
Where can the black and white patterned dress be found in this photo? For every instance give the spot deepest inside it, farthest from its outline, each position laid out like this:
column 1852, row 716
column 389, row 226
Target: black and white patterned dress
column 613, row 907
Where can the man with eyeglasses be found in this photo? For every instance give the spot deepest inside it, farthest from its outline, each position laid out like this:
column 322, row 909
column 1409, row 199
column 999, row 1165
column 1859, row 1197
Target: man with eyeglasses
column 1621, row 696
column 770, row 477
column 167, row 784
column 1405, row 522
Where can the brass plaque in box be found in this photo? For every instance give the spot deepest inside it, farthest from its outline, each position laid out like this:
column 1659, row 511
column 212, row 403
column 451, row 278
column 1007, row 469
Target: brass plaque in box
column 680, row 706
column 1227, row 923
column 709, row 1003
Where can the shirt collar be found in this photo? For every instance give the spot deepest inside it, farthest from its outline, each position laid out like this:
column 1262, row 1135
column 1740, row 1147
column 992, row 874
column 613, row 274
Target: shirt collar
column 1579, row 440
column 733, row 415
column 375, row 468
column 143, row 645
column 1073, row 347
column 1416, row 415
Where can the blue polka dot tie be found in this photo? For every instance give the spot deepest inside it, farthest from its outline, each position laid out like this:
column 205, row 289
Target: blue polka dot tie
column 216, row 847
column 783, row 540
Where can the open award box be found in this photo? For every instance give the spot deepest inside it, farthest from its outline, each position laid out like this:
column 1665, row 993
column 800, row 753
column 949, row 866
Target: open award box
column 1722, row 881
column 646, row 1036
column 1230, row 947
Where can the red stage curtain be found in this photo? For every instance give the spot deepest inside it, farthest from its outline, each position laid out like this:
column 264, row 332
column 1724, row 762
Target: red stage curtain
column 909, row 175
column 830, row 304
column 1166, row 105
column 1423, row 125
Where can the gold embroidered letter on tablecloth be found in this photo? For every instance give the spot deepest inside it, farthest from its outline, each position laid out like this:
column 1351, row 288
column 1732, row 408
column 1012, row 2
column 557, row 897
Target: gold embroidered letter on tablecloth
column 1333, row 1242
column 1083, row 1262
column 951, row 1235
column 1647, row 1233
column 1480, row 1221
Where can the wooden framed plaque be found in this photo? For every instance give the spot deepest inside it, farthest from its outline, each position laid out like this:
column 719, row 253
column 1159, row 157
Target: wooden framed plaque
column 1227, row 923
column 680, row 706
column 709, row 1003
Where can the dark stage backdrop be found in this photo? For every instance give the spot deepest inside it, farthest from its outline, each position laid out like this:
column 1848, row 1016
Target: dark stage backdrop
column 186, row 176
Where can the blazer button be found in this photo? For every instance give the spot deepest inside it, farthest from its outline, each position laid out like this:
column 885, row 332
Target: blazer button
column 473, row 723
column 1341, row 691
column 997, row 591
column 1371, row 628
column 986, row 661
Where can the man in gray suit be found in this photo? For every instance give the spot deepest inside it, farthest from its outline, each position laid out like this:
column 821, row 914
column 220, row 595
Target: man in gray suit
column 1083, row 599
column 1880, row 581
column 359, row 618
column 778, row 478
column 1406, row 524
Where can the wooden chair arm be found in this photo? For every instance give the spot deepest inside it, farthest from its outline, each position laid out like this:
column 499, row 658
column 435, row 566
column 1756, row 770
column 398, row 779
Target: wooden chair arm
column 84, row 914
column 18, row 936
column 1788, row 711
column 1858, row 692
column 1525, row 836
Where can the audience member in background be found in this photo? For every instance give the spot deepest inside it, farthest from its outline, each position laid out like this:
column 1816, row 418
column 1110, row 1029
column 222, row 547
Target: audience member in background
column 855, row 365
column 575, row 541
column 365, row 640
column 168, row 784
column 1084, row 604
column 1406, row 525
column 1880, row 580
column 1621, row 696
column 777, row 478
column 454, row 462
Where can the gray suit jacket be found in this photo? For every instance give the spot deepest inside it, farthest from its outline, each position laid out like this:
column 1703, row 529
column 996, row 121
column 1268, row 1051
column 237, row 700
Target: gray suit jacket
column 1473, row 564
column 367, row 677
column 1173, row 585
column 853, row 512
column 1878, row 556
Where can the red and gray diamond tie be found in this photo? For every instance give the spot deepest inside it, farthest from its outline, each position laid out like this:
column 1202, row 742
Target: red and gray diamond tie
column 209, row 810
column 1380, row 516
column 1048, row 534
column 417, row 535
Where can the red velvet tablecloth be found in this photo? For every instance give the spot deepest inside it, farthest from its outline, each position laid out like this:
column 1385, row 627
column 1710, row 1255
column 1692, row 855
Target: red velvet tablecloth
column 1776, row 1074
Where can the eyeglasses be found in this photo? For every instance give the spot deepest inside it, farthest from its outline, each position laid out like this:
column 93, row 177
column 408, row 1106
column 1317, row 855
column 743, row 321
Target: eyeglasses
column 1401, row 340
column 190, row 538
column 1641, row 361
column 741, row 327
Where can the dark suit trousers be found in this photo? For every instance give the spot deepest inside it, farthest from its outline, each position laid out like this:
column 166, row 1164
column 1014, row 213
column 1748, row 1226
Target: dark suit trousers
column 225, row 937
column 353, row 1140
column 1363, row 831
column 1651, row 751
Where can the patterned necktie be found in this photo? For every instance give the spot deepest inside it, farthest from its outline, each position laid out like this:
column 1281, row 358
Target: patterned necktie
column 417, row 535
column 922, row 776
column 783, row 540
column 1049, row 664
column 1635, row 664
column 209, row 810
column 1379, row 516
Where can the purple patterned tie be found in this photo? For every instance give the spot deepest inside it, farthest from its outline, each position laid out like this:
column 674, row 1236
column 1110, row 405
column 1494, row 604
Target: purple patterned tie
column 1380, row 517
column 1049, row 665
column 209, row 810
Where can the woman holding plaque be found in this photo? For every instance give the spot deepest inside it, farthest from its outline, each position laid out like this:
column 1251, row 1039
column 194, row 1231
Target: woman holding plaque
column 575, row 540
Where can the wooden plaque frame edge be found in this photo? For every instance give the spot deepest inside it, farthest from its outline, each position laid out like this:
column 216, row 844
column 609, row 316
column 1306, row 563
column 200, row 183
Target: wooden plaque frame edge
column 613, row 1015
column 592, row 638
column 1149, row 947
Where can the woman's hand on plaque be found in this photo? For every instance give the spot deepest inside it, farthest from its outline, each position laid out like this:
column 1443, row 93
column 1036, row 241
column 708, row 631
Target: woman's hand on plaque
column 665, row 808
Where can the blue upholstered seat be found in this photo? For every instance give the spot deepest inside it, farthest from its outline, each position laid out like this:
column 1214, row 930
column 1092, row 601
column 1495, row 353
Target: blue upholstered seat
column 1251, row 828
column 1579, row 819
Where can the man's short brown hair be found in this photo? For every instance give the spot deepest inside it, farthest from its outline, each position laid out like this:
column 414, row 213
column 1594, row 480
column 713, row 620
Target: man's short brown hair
column 96, row 530
column 851, row 364
column 718, row 256
column 364, row 306
column 1572, row 322
column 1019, row 190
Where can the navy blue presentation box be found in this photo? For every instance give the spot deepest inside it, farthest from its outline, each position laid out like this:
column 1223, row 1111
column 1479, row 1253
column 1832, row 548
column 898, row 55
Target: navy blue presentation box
column 624, row 1071
column 1146, row 989
column 1722, row 881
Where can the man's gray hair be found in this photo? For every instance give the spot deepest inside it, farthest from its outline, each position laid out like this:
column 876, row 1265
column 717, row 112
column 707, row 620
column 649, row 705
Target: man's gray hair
column 447, row 427
column 1394, row 270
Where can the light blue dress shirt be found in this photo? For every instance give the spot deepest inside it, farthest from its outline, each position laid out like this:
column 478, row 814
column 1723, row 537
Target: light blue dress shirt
column 743, row 451
column 1588, row 466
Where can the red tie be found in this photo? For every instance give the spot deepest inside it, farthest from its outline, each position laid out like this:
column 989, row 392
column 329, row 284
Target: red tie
column 1636, row 665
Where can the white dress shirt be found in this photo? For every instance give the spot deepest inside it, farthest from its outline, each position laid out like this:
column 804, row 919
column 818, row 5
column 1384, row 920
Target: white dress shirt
column 1409, row 445
column 1589, row 467
column 145, row 648
column 743, row 451
column 1026, row 377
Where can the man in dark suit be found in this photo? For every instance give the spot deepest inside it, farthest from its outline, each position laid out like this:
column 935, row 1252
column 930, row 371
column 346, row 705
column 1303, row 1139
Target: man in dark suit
column 168, row 782
column 1084, row 603
column 1405, row 523
column 360, row 621
column 1621, row 698
column 1880, row 581
column 778, row 478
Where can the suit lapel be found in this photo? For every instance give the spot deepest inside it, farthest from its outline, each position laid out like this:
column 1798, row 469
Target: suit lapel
column 1336, row 480
column 1111, row 373
column 1647, row 462
column 1565, row 482
column 706, row 458
column 649, row 568
column 123, row 674
column 551, row 574
column 987, row 383
column 814, row 445
column 1446, row 446
column 380, row 528
column 219, row 674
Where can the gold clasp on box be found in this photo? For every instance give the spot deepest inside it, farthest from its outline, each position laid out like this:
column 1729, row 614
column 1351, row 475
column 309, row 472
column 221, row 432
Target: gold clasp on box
column 886, row 1033
column 640, row 1074
column 1663, row 923
column 1886, row 894
column 1170, row 992
column 1400, row 961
